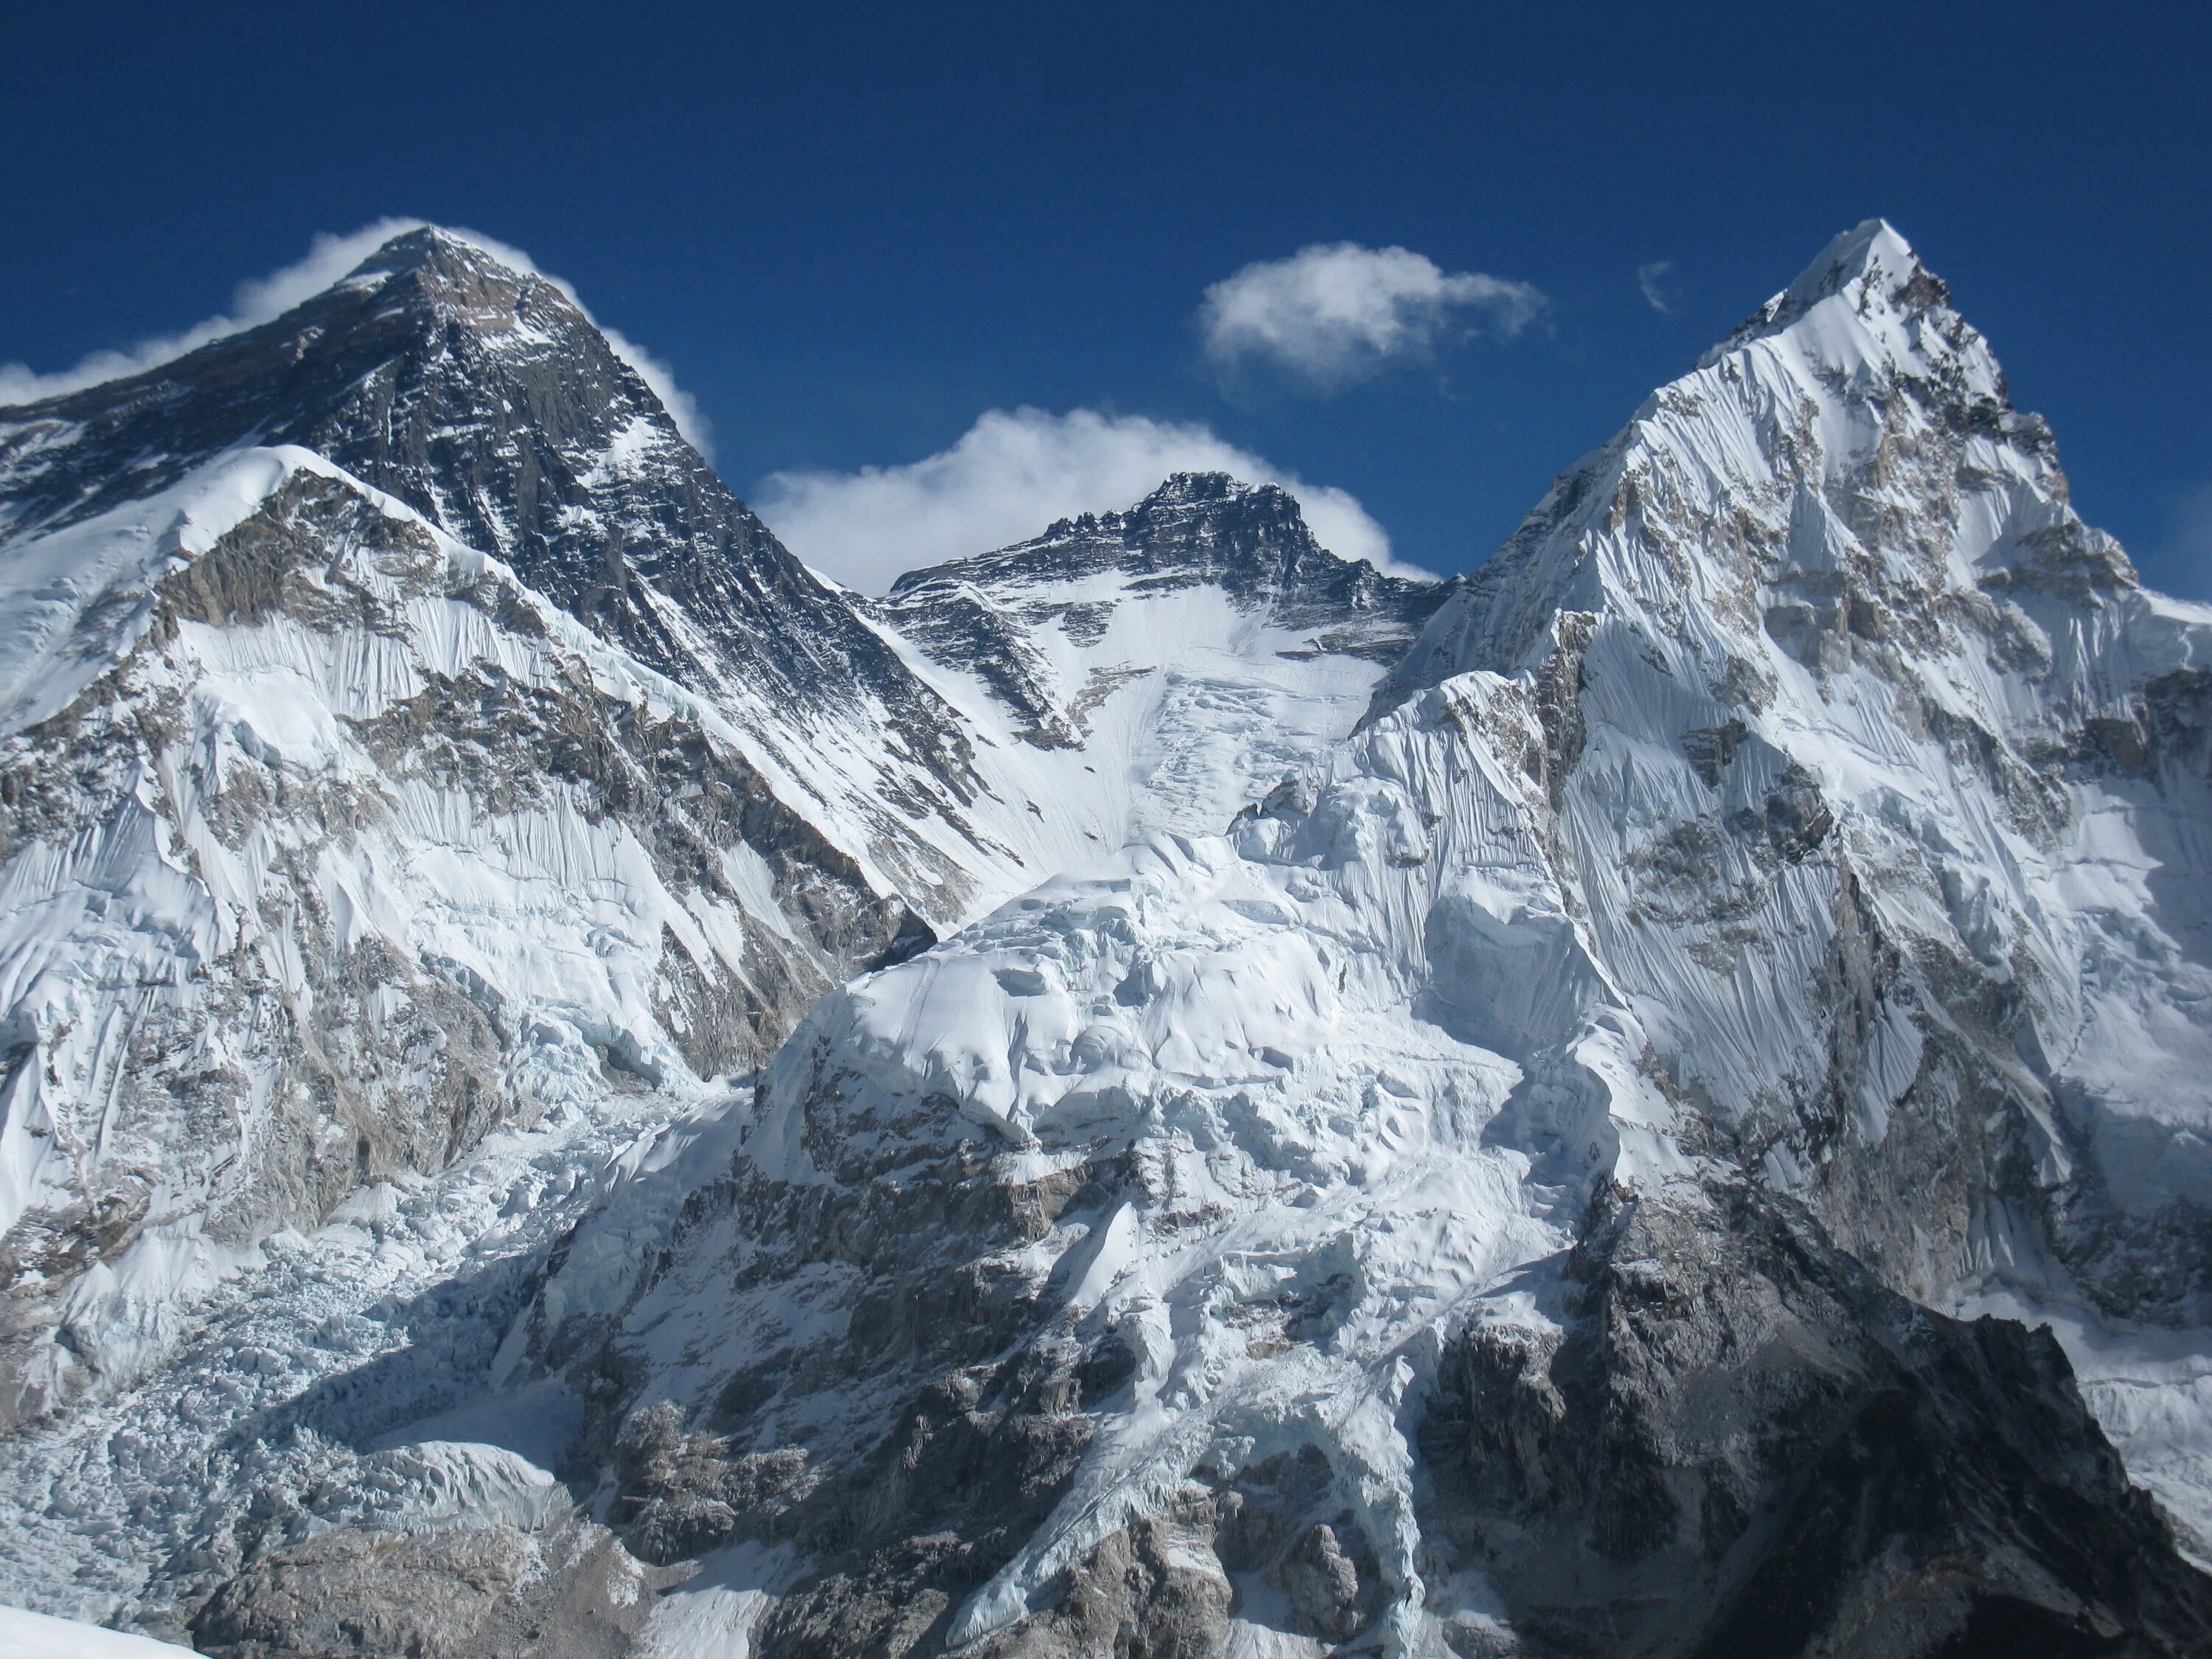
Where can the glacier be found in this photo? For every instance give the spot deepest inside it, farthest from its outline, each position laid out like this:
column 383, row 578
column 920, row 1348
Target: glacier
column 574, row 1088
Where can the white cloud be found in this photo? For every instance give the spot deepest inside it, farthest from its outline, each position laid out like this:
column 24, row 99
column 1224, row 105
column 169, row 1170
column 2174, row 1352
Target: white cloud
column 1647, row 282
column 1011, row 475
column 1334, row 312
column 259, row 300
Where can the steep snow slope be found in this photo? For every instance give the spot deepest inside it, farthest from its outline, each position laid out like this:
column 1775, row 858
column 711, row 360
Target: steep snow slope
column 486, row 401
column 1887, row 788
column 328, row 848
column 1473, row 1206
column 1419, row 1212
column 1159, row 669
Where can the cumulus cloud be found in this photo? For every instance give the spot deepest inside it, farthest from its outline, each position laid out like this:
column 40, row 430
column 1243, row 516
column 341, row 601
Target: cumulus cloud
column 1648, row 278
column 1335, row 311
column 259, row 300
column 1011, row 475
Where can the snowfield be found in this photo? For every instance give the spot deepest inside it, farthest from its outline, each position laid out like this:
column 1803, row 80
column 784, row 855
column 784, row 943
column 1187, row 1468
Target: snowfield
column 1436, row 1121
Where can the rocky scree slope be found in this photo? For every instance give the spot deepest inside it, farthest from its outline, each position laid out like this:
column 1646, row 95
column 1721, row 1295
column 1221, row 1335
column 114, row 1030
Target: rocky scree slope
column 1505, row 1197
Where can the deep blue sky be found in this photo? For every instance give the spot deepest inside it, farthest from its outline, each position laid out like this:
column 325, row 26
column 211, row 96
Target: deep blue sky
column 851, row 230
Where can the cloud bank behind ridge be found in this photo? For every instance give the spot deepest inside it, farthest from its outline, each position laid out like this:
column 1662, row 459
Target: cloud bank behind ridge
column 1008, row 477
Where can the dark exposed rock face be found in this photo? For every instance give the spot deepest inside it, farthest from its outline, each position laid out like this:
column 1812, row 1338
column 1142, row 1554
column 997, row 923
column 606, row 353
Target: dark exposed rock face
column 1197, row 530
column 1741, row 1443
column 1737, row 1441
column 473, row 1593
column 1205, row 528
column 487, row 400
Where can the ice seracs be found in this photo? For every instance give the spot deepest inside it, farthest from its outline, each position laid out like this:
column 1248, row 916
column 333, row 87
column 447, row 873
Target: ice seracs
column 1526, row 1175
column 1788, row 850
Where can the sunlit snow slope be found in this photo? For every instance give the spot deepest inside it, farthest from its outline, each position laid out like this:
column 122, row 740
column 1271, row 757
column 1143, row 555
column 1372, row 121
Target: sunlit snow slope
column 1531, row 1174
column 1159, row 669
column 1484, row 1204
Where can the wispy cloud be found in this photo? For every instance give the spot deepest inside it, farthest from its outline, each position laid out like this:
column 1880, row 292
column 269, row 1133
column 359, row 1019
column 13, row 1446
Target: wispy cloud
column 1008, row 477
column 259, row 300
column 2190, row 535
column 1335, row 313
column 1648, row 279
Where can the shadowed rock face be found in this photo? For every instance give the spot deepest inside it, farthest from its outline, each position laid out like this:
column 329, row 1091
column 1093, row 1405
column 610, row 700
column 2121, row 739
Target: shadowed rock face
column 1741, row 1443
column 1200, row 528
column 485, row 399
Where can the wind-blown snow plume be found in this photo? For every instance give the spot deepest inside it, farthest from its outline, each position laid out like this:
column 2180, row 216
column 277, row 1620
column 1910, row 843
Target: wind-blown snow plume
column 1011, row 472
column 1335, row 311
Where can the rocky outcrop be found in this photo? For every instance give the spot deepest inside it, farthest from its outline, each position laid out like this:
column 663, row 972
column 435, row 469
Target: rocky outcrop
column 1740, row 1443
column 470, row 1593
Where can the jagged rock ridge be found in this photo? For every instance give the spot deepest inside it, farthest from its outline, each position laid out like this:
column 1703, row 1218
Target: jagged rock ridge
column 1706, row 887
column 1536, row 1181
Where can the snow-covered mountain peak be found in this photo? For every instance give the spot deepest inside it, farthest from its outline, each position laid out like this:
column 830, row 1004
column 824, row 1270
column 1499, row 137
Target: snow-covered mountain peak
column 1868, row 301
column 484, row 398
column 1493, row 1181
column 1796, row 471
column 1249, row 538
column 462, row 282
column 1871, row 249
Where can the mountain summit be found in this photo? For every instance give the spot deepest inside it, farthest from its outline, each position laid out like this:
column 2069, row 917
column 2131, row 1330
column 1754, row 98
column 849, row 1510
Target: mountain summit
column 1644, row 1102
column 1530, row 1187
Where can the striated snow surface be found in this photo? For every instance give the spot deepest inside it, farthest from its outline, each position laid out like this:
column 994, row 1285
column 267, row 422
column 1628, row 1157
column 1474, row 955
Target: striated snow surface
column 1414, row 1189
column 1804, row 791
column 315, row 877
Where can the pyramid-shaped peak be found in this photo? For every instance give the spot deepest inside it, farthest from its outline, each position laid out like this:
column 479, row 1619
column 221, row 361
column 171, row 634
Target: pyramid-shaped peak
column 1886, row 285
column 443, row 260
column 1872, row 249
